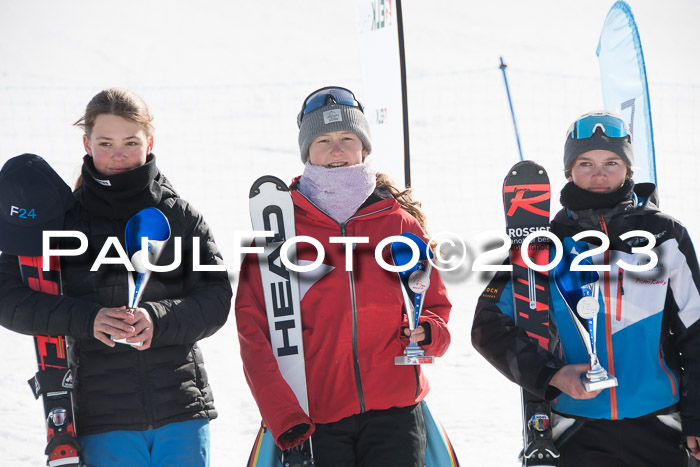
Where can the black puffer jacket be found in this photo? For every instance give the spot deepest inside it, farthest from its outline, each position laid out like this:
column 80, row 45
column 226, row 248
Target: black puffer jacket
column 122, row 388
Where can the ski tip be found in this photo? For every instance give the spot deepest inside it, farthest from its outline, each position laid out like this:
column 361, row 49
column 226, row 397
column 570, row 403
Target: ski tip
column 36, row 199
column 529, row 167
column 526, row 163
column 255, row 188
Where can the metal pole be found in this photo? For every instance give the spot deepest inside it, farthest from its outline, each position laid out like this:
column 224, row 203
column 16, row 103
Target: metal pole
column 404, row 98
column 510, row 103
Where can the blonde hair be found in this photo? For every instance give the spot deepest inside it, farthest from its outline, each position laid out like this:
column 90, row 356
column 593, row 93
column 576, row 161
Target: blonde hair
column 404, row 199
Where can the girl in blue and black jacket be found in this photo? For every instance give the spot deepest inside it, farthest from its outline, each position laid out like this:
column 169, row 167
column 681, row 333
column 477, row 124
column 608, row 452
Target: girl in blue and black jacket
column 648, row 333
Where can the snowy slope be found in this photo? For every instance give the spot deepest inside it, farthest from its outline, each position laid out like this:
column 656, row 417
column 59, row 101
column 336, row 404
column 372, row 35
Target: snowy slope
column 225, row 81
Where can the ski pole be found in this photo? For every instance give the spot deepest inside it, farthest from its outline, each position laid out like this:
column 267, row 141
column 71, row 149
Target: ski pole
column 404, row 98
column 510, row 104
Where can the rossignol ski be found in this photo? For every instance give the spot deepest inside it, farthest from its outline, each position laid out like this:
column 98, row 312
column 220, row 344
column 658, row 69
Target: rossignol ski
column 272, row 210
column 54, row 380
column 36, row 197
column 526, row 198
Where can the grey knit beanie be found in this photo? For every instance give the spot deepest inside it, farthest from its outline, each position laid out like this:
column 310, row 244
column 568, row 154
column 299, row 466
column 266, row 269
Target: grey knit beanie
column 599, row 140
column 332, row 117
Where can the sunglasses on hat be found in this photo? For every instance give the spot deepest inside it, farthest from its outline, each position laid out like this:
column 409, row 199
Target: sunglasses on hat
column 320, row 97
column 585, row 127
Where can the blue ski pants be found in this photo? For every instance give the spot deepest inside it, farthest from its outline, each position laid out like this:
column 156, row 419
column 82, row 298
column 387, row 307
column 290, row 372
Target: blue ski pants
column 175, row 444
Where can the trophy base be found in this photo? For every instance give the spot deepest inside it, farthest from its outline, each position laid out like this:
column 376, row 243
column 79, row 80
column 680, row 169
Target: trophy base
column 591, row 386
column 415, row 360
column 123, row 341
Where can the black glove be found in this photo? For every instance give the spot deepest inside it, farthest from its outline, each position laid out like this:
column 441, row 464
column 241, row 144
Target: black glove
column 295, row 432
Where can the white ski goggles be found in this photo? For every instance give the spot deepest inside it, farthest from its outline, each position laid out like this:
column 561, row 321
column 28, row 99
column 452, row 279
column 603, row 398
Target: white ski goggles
column 586, row 126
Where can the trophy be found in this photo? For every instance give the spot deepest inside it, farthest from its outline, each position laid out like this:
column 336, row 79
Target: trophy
column 146, row 234
column 579, row 289
column 414, row 283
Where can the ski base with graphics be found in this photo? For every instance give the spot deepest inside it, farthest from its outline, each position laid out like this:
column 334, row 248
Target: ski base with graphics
column 526, row 199
column 265, row 452
column 439, row 451
column 54, row 380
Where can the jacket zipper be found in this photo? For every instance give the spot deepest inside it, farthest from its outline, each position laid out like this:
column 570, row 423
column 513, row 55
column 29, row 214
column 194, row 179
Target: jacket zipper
column 620, row 293
column 353, row 300
column 353, row 303
column 355, row 350
column 149, row 410
column 668, row 373
column 608, row 324
column 146, row 391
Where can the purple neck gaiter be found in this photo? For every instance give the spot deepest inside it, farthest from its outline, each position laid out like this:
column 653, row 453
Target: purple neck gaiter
column 338, row 192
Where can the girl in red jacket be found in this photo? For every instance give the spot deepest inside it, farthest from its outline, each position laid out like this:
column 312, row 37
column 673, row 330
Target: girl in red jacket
column 363, row 409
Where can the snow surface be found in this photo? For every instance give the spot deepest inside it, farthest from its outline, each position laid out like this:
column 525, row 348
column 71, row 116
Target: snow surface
column 225, row 81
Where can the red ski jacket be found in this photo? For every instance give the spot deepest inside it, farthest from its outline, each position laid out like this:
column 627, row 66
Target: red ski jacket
column 351, row 323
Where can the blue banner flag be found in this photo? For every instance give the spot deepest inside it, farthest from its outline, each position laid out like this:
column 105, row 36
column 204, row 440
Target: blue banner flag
column 624, row 80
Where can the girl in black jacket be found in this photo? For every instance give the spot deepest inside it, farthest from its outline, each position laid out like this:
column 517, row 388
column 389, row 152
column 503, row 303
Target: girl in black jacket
column 135, row 405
